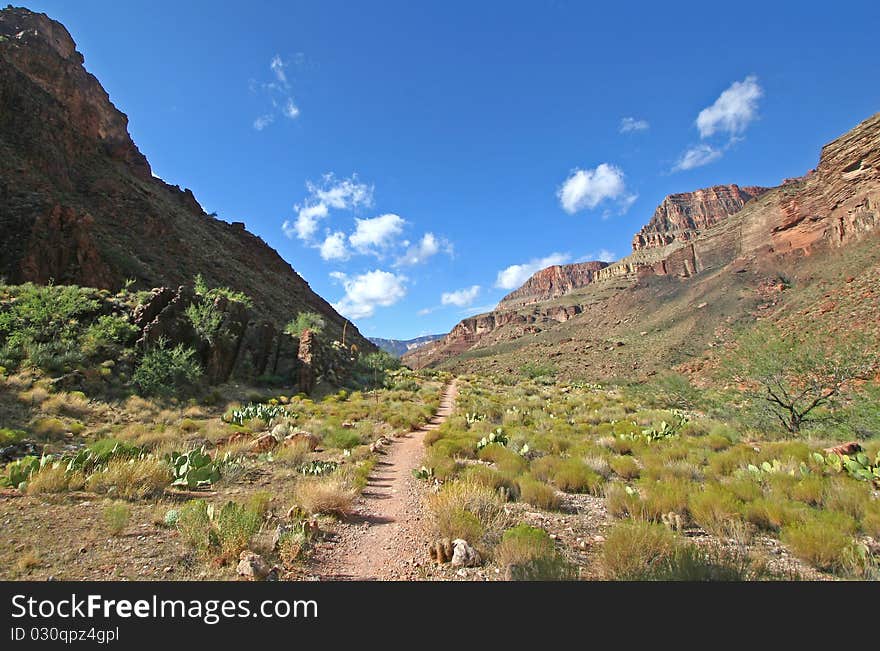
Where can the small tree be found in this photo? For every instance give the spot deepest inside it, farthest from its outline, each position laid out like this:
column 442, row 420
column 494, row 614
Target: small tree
column 305, row 321
column 797, row 379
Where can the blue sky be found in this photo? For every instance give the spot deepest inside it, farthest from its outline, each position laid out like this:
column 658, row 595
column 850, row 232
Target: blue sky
column 426, row 156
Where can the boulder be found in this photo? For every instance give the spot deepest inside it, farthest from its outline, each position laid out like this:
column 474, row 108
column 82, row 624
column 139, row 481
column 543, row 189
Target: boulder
column 464, row 555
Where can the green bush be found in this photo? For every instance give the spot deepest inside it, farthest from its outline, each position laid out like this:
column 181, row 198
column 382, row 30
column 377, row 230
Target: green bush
column 305, row 321
column 206, row 320
column 530, row 554
column 164, row 371
column 107, row 337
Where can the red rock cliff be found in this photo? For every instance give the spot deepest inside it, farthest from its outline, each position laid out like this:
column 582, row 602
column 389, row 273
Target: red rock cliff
column 683, row 216
column 552, row 282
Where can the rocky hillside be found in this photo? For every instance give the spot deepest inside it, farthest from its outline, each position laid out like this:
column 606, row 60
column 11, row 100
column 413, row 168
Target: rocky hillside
column 79, row 204
column 683, row 216
column 697, row 270
column 400, row 347
column 552, row 282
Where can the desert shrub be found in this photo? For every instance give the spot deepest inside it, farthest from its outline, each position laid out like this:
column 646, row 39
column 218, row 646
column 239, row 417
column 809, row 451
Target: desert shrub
column 9, row 436
column 49, row 429
column 377, row 364
column 821, row 541
column 810, row 490
column 44, row 325
column 305, row 321
column 221, row 534
column 292, row 454
column 531, row 554
column 107, row 337
column 234, row 525
column 621, row 502
column 329, row 494
column 625, row 467
column 535, row 370
column 633, row 550
column 691, row 562
column 661, row 497
column 206, row 320
column 506, row 460
column 116, row 517
column 341, row 438
column 599, row 465
column 843, row 495
column 75, row 405
column 466, row 509
column 575, row 476
column 54, row 478
column 164, row 371
column 714, row 508
column 486, row 476
column 211, row 293
column 871, row 518
column 194, row 523
column 773, row 513
column 131, row 479
column 538, row 494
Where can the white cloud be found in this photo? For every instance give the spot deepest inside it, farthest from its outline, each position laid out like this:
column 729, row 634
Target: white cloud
column 697, row 156
column 277, row 66
column 341, row 193
column 365, row 292
column 632, row 124
column 290, row 110
column 306, row 221
column 430, row 245
column 263, row 121
column 278, row 92
column 461, row 297
column 333, row 247
column 377, row 233
column 330, row 192
column 515, row 275
column 734, row 109
column 588, row 188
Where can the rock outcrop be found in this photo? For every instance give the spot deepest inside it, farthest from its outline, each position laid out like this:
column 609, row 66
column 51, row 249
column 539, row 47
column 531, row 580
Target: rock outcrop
column 552, row 282
column 682, row 217
column 79, row 203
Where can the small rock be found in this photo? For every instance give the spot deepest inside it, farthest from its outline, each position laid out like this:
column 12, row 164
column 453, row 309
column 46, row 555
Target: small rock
column 252, row 566
column 464, row 555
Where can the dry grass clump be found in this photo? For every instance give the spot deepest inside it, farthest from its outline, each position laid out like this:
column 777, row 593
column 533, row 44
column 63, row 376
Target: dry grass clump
column 530, row 554
column 645, row 551
column 714, row 508
column 330, row 495
column 131, row 479
column 466, row 509
column 54, row 479
column 538, row 494
column 52, row 429
column 634, row 549
column 822, row 540
column 75, row 405
column 625, row 467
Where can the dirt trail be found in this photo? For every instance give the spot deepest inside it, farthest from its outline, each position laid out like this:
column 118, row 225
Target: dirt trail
column 385, row 539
